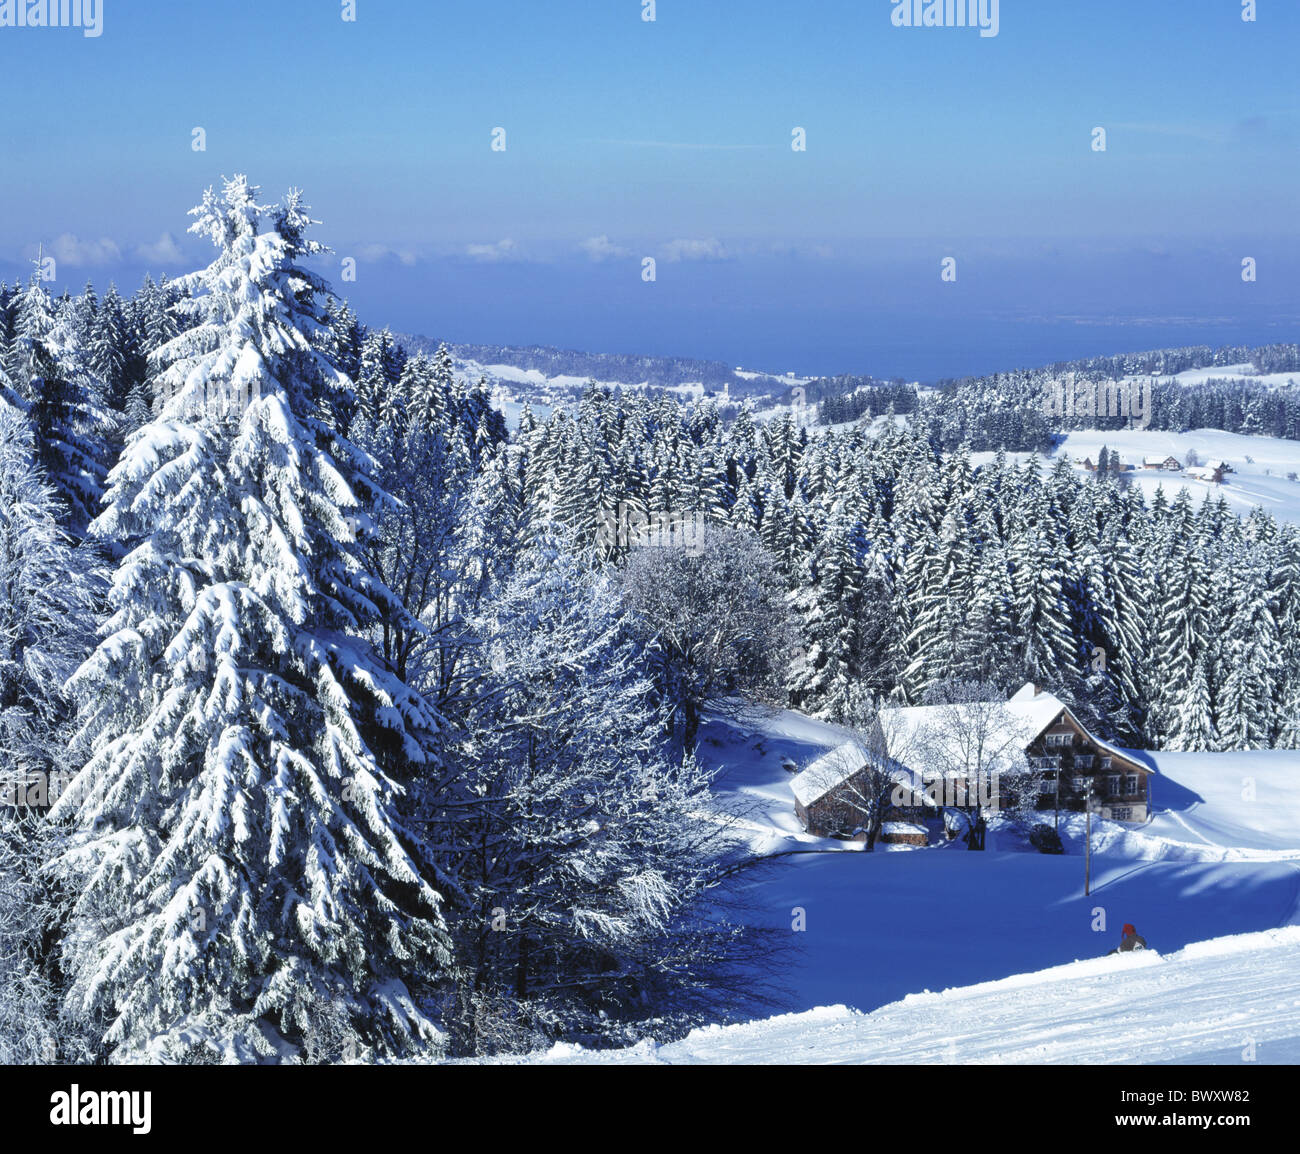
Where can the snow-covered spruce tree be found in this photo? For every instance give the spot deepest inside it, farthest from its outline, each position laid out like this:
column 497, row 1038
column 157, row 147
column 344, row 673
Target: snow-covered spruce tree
column 61, row 398
column 585, row 854
column 47, row 608
column 109, row 348
column 28, row 1000
column 243, row 868
column 1250, row 671
column 47, row 624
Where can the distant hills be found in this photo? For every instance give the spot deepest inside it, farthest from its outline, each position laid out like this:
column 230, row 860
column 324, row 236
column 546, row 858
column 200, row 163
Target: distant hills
column 568, row 370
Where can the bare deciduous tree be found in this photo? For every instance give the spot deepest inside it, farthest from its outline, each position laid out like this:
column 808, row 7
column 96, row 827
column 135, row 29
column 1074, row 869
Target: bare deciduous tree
column 715, row 623
column 972, row 748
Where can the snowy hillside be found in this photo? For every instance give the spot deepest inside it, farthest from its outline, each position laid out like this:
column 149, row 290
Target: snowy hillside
column 939, row 955
column 1216, row 859
column 1222, row 1001
column 1260, row 465
column 545, row 377
column 1243, row 372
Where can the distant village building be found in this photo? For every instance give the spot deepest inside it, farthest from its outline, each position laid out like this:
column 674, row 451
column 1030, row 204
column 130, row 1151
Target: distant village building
column 1169, row 464
column 1116, row 464
column 1206, row 473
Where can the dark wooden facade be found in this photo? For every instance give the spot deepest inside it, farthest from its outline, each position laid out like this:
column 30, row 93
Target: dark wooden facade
column 838, row 812
column 1067, row 758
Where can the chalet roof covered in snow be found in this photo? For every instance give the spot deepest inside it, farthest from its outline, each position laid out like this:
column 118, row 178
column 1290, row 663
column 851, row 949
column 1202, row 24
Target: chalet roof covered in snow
column 828, row 771
column 833, row 769
column 1011, row 727
column 1007, row 731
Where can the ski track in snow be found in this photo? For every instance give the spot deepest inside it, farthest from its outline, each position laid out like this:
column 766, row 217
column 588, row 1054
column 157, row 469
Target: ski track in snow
column 1204, row 1004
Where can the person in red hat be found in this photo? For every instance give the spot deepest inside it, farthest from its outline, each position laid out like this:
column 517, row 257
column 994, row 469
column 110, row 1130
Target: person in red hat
column 1131, row 940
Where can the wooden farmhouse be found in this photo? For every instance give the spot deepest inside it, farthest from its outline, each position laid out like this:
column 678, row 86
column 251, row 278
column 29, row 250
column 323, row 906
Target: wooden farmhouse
column 1032, row 744
column 1072, row 764
column 1033, row 741
column 1168, row 464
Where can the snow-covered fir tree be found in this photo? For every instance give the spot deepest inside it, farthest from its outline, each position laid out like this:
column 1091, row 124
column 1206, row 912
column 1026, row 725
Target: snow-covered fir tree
column 49, row 374
column 47, row 615
column 243, row 869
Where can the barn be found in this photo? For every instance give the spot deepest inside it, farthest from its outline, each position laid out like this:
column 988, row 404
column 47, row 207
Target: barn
column 826, row 792
column 832, row 793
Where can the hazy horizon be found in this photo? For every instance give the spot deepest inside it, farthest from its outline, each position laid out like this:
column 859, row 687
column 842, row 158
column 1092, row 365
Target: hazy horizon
column 672, row 140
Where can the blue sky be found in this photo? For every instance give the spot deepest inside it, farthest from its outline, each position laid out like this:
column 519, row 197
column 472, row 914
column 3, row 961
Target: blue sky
column 627, row 139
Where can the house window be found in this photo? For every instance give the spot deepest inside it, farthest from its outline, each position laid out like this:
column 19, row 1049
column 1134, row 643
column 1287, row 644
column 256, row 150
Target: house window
column 1112, row 784
column 1133, row 786
column 1047, row 785
column 1060, row 738
column 1079, row 782
column 1122, row 813
column 1083, row 760
column 1105, row 763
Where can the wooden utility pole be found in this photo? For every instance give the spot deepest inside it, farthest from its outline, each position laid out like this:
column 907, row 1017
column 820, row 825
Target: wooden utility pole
column 1087, row 845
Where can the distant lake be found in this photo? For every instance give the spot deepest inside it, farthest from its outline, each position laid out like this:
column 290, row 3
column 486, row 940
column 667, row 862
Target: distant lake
column 888, row 317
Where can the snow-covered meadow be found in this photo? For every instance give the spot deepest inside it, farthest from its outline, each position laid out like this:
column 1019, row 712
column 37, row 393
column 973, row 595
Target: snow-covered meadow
column 1220, row 1002
column 1262, row 466
column 941, row 955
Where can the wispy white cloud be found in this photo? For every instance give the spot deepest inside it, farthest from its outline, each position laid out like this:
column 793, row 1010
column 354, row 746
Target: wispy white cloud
column 164, row 251
column 70, row 250
column 600, row 248
column 805, row 249
column 687, row 249
column 374, row 253
column 505, row 249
